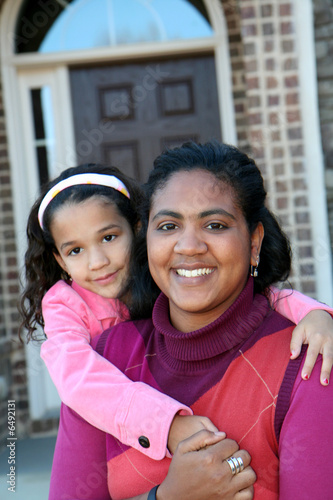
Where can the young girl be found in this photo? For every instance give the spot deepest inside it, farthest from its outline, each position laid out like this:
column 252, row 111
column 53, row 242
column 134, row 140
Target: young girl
column 80, row 234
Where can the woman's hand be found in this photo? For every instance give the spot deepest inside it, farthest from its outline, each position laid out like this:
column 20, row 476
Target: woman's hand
column 184, row 426
column 198, row 470
column 315, row 329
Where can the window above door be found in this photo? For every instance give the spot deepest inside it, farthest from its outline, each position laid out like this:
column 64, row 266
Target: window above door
column 60, row 25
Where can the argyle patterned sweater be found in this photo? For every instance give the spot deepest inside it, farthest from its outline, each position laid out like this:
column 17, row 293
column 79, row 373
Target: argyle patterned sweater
column 236, row 371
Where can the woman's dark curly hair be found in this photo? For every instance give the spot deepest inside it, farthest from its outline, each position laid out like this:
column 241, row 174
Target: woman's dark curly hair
column 233, row 167
column 41, row 268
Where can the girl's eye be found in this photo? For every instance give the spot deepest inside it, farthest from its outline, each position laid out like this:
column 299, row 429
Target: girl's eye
column 169, row 226
column 216, row 226
column 75, row 251
column 109, row 237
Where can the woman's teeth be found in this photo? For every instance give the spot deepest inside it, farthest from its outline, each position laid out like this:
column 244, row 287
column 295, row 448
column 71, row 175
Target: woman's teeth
column 194, row 273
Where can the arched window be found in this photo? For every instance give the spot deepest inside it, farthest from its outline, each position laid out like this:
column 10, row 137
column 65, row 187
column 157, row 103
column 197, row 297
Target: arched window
column 60, row 25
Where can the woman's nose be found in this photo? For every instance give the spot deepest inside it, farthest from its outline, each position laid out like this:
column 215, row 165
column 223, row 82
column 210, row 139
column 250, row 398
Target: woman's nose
column 97, row 259
column 190, row 243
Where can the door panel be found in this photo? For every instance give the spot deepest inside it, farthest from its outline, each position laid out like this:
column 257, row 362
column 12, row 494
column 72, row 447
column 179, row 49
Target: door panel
column 127, row 114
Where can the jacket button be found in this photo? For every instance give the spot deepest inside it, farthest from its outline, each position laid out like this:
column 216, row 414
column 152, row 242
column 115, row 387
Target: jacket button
column 144, row 442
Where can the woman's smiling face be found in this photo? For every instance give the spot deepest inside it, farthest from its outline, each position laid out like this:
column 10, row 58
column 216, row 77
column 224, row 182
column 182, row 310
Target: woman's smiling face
column 199, row 247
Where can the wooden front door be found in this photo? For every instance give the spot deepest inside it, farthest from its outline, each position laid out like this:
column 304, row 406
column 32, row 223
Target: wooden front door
column 125, row 115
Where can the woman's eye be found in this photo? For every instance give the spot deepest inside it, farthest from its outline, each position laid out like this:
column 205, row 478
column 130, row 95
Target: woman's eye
column 109, row 237
column 169, row 226
column 216, row 226
column 75, row 251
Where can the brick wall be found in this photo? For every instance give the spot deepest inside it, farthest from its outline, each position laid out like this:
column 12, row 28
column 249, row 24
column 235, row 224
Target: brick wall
column 323, row 25
column 269, row 119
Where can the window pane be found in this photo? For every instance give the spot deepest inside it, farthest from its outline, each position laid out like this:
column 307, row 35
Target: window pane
column 44, row 132
column 84, row 24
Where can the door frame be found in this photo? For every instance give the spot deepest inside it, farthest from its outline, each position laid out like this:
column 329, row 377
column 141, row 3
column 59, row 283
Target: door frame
column 21, row 72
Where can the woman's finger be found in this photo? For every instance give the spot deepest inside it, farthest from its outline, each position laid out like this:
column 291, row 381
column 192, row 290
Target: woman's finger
column 200, row 440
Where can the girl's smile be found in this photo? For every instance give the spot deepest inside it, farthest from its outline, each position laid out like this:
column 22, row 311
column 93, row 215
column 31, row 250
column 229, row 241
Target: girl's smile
column 93, row 242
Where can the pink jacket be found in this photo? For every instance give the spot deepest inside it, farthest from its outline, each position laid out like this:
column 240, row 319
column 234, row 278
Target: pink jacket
column 88, row 383
column 95, row 388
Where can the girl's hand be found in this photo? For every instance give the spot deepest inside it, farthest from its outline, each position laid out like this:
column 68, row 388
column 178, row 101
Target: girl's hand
column 184, row 426
column 315, row 329
column 198, row 470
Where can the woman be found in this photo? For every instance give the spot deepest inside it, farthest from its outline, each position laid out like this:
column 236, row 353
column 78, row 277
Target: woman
column 214, row 344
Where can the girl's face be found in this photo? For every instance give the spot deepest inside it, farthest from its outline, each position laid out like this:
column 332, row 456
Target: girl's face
column 94, row 244
column 199, row 247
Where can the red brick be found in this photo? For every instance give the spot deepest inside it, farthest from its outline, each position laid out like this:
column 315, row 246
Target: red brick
column 282, row 203
column 274, row 118
column 271, row 82
column 304, row 234
column 278, row 152
column 249, row 49
column 286, row 28
column 252, row 83
column 276, row 135
column 295, row 133
column 302, row 217
column 268, row 29
column 297, row 150
column 285, row 9
column 270, row 64
column 251, row 66
column 279, row 169
column 298, row 167
column 273, row 100
column 293, row 116
column 281, row 187
column 266, row 10
column 239, row 108
column 308, row 287
column 249, row 30
column 254, row 101
column 287, row 46
column 269, row 46
column 247, row 12
column 305, row 251
column 291, row 81
column 256, row 136
column 292, row 98
column 255, row 118
column 290, row 64
column 299, row 184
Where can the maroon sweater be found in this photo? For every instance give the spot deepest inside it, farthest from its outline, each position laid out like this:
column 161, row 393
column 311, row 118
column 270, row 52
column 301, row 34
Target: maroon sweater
column 236, row 371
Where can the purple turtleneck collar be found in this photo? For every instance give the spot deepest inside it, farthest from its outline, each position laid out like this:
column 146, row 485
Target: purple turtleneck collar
column 197, row 349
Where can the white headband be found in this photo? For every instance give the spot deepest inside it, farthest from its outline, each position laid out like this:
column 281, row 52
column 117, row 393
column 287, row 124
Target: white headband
column 96, row 179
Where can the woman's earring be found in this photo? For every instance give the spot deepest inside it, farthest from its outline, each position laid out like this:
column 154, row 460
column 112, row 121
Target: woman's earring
column 254, row 269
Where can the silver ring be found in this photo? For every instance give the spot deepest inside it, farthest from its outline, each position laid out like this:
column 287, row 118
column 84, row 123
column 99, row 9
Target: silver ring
column 236, row 465
column 241, row 463
column 231, row 465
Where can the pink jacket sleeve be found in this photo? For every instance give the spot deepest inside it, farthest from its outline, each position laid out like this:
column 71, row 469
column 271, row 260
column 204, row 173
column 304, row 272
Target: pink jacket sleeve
column 95, row 388
column 306, row 440
column 293, row 304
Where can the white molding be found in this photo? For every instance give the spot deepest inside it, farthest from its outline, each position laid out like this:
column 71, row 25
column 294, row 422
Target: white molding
column 223, row 71
column 313, row 149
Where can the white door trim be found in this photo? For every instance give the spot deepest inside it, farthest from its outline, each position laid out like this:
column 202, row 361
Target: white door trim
column 315, row 167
